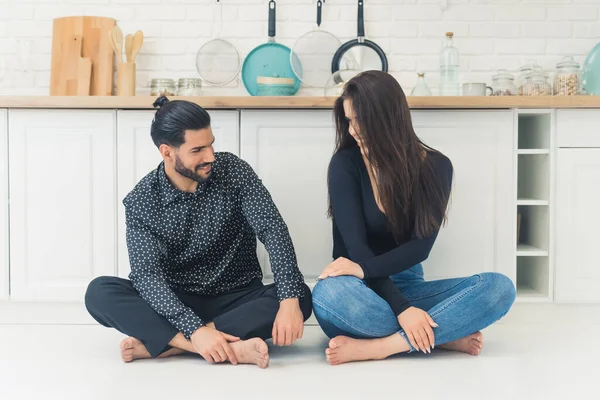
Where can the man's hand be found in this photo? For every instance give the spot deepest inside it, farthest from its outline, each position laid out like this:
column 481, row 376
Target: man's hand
column 213, row 345
column 342, row 266
column 289, row 323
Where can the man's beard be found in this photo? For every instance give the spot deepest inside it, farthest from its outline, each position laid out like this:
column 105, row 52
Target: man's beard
column 191, row 174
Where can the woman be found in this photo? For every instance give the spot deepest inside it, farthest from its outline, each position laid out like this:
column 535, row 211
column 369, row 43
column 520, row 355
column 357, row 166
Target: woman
column 388, row 194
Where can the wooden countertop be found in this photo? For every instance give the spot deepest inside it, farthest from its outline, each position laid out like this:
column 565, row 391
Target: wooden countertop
column 249, row 102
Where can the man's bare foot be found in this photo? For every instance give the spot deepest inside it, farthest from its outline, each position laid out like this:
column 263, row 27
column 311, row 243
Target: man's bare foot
column 343, row 349
column 133, row 349
column 472, row 344
column 251, row 351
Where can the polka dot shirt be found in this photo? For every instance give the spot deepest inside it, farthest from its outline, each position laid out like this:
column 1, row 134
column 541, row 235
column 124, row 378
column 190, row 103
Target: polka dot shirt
column 205, row 242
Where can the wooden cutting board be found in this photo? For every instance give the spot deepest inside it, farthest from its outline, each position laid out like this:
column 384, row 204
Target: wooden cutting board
column 68, row 72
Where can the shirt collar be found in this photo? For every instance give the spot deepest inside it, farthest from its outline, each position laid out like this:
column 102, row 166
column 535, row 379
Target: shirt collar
column 169, row 193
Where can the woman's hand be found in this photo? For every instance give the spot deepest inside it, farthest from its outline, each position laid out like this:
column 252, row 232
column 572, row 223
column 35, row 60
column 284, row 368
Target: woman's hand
column 417, row 324
column 342, row 266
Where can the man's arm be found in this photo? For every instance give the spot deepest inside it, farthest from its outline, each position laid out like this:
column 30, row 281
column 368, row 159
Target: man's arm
column 264, row 218
column 147, row 278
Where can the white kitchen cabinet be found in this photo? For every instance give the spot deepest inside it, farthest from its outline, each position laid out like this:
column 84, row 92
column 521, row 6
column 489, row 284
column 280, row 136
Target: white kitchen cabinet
column 479, row 234
column 290, row 152
column 62, row 213
column 137, row 156
column 577, row 221
column 4, row 283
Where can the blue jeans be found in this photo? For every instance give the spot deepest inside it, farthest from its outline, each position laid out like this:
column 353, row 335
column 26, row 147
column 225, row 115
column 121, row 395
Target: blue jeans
column 344, row 305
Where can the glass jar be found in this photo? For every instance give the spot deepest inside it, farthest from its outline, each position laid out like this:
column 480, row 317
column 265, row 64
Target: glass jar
column 503, row 84
column 525, row 69
column 189, row 87
column 162, row 87
column 568, row 79
column 537, row 83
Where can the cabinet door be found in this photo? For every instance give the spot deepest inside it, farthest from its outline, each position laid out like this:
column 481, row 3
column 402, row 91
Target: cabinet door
column 479, row 234
column 290, row 151
column 62, row 214
column 137, row 156
column 577, row 221
column 3, row 206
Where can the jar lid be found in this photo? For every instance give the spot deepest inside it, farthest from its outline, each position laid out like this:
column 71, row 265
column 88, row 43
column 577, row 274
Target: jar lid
column 568, row 62
column 537, row 75
column 503, row 74
column 421, row 74
column 449, row 34
column 195, row 81
column 528, row 66
column 162, row 81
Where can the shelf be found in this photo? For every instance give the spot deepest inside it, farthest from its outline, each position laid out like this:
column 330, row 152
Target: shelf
column 534, row 176
column 533, row 151
column 528, row 294
column 526, row 250
column 532, row 202
column 534, row 131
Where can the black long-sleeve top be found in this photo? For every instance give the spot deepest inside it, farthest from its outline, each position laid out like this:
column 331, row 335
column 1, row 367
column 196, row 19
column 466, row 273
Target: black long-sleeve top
column 205, row 242
column 361, row 231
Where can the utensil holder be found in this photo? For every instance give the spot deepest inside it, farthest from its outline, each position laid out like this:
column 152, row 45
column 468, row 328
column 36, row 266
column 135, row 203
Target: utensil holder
column 126, row 79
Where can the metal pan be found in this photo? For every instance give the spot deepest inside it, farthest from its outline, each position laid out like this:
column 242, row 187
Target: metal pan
column 360, row 53
column 269, row 60
column 218, row 61
column 312, row 54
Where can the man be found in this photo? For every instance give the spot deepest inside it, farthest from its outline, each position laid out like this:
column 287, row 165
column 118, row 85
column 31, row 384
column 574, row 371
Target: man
column 195, row 283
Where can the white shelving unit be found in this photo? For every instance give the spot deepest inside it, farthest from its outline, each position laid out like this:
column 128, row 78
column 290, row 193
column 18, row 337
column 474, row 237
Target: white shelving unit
column 533, row 205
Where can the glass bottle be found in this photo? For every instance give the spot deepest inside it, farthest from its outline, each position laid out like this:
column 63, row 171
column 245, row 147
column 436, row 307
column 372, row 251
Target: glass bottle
column 449, row 68
column 421, row 88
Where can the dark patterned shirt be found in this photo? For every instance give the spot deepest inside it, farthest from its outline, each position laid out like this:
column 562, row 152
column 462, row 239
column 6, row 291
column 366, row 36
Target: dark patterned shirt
column 205, row 242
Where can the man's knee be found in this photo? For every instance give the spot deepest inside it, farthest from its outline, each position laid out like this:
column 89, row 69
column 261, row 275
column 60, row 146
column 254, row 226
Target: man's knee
column 99, row 290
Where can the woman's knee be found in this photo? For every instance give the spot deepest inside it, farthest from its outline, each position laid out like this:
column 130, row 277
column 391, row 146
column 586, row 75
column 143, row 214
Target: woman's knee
column 329, row 291
column 501, row 290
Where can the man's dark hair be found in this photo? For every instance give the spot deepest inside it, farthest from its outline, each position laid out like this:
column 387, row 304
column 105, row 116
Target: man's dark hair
column 173, row 118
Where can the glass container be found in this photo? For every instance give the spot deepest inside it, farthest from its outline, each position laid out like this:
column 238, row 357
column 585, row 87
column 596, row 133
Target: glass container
column 568, row 79
column 503, row 84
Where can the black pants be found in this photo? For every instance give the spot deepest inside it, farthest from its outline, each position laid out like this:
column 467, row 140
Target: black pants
column 247, row 312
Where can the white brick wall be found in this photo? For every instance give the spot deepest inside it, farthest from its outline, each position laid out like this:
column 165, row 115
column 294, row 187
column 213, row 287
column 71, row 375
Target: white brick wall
column 490, row 34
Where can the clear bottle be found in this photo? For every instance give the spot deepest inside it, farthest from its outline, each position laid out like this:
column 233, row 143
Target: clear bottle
column 421, row 88
column 449, row 68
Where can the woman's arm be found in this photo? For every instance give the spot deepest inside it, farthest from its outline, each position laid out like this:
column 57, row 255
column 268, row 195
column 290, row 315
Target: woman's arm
column 345, row 196
column 416, row 250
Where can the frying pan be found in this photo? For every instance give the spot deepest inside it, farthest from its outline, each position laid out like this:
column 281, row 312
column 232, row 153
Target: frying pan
column 360, row 53
column 270, row 59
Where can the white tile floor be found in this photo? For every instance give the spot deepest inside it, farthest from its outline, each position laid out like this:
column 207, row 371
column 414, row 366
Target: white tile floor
column 540, row 353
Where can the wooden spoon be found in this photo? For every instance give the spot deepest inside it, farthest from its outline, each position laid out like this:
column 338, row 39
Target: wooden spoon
column 128, row 46
column 138, row 40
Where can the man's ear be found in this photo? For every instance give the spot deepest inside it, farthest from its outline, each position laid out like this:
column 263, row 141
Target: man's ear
column 167, row 152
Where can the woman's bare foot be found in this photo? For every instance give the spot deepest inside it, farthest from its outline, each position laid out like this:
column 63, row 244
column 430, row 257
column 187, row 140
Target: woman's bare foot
column 343, row 349
column 472, row 344
column 133, row 349
column 251, row 351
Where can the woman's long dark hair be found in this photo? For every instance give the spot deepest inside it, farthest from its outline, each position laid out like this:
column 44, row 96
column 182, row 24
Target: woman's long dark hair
column 413, row 195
